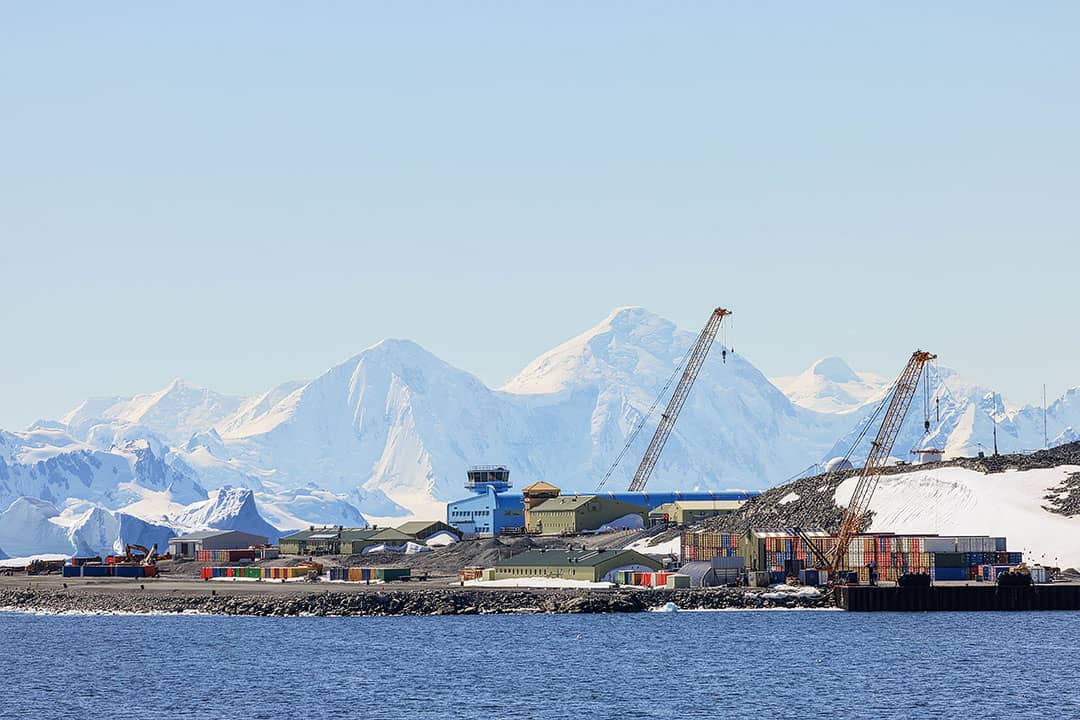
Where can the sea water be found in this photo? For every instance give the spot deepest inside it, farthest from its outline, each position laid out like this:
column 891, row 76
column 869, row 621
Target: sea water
column 746, row 664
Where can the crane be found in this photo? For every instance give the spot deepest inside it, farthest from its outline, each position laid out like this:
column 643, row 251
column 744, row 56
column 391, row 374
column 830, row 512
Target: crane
column 859, row 505
column 667, row 421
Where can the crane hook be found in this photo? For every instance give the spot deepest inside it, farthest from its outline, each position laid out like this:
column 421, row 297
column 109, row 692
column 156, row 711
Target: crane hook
column 926, row 426
column 723, row 355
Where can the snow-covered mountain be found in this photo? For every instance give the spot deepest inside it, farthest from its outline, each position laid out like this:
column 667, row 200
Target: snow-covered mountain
column 228, row 509
column 391, row 431
column 963, row 417
column 46, row 462
column 831, row 386
column 173, row 414
column 397, row 420
column 736, row 429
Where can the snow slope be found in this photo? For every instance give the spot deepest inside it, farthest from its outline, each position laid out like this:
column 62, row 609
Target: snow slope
column 831, row 386
column 957, row 501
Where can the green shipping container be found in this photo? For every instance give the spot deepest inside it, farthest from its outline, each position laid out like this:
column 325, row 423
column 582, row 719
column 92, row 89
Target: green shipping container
column 388, row 574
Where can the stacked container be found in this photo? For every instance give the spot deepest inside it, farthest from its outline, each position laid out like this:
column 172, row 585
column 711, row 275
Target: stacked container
column 706, row 544
column 113, row 570
column 225, row 556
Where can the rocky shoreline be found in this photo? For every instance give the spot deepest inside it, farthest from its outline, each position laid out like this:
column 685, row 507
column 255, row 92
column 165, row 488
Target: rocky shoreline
column 390, row 603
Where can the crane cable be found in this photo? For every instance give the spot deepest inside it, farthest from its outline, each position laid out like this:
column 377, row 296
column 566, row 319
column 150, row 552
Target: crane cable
column 644, row 418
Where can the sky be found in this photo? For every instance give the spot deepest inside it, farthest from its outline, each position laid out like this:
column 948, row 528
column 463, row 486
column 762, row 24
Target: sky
column 244, row 193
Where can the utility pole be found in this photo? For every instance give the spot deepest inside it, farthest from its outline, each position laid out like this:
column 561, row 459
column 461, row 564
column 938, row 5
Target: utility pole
column 995, row 437
column 1046, row 440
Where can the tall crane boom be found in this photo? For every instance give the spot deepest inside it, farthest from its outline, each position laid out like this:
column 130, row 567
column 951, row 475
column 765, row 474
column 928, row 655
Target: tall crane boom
column 682, row 390
column 859, row 505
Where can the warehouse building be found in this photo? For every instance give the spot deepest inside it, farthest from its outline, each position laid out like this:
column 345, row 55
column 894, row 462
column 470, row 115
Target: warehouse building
column 572, row 514
column 688, row 512
column 188, row 546
column 337, row 540
column 598, row 565
column 421, row 530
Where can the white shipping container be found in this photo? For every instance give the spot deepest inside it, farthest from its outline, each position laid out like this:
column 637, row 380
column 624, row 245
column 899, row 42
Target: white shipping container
column 1039, row 575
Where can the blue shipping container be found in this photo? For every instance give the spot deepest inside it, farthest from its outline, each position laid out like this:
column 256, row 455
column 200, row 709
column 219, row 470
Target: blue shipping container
column 128, row 571
column 948, row 573
column 72, row 571
column 95, row 571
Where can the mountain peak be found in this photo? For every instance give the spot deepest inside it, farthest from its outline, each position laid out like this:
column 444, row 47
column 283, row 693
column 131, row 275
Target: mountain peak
column 835, row 370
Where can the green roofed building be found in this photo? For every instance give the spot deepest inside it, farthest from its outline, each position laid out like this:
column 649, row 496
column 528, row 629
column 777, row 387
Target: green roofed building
column 336, row 540
column 332, row 540
column 423, row 529
column 688, row 512
column 572, row 514
column 598, row 565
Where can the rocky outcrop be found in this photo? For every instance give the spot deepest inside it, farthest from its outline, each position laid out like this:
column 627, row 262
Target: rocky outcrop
column 404, row 602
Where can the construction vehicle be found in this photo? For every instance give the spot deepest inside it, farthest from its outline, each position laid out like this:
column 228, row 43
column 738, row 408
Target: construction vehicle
column 903, row 391
column 693, row 361
column 44, row 567
column 145, row 556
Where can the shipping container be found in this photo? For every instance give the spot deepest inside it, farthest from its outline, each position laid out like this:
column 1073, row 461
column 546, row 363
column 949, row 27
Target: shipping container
column 950, row 573
column 389, row 574
column 127, row 571
column 72, row 571
column 677, row 581
column 96, row 570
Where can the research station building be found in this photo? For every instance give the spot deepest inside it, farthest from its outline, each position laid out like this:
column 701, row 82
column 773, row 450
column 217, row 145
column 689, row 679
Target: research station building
column 597, row 565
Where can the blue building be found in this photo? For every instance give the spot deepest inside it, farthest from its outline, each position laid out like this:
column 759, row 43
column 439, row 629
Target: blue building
column 490, row 509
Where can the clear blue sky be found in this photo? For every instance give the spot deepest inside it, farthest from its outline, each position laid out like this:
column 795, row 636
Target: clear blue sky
column 244, row 193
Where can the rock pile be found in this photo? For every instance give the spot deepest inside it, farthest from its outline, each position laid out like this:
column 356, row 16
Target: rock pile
column 815, row 506
column 1065, row 498
column 425, row 602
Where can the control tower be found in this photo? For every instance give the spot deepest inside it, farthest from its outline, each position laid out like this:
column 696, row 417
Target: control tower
column 482, row 478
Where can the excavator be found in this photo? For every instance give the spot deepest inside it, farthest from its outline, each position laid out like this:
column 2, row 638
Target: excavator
column 851, row 524
column 140, row 554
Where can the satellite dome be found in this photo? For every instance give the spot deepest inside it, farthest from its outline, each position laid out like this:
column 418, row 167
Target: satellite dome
column 838, row 463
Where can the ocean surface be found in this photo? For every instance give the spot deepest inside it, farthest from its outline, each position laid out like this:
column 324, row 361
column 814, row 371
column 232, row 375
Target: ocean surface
column 744, row 664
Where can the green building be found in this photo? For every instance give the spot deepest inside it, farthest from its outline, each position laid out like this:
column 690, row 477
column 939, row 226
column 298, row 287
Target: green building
column 337, row 540
column 688, row 512
column 423, row 529
column 590, row 565
column 572, row 514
